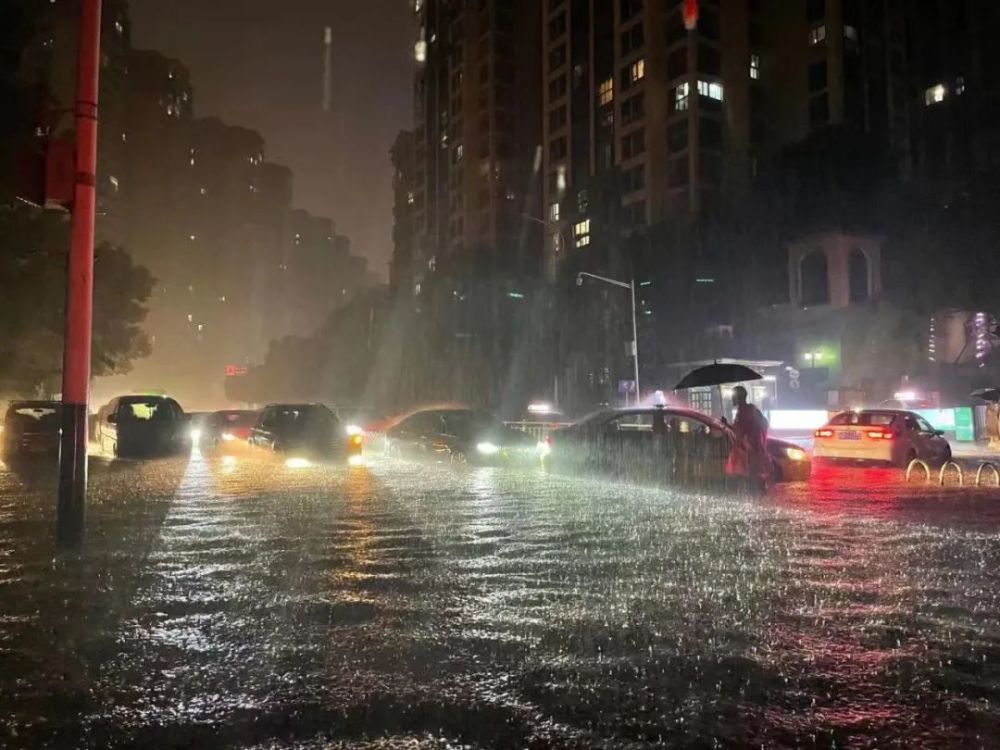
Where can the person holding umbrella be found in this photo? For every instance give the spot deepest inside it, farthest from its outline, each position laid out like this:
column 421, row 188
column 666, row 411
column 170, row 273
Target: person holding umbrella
column 748, row 459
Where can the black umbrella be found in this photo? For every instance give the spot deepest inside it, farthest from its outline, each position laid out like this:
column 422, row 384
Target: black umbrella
column 987, row 394
column 717, row 374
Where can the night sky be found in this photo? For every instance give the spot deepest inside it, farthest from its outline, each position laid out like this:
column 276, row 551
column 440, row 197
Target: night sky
column 259, row 64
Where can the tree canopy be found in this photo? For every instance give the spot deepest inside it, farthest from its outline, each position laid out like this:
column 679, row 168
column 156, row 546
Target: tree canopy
column 34, row 248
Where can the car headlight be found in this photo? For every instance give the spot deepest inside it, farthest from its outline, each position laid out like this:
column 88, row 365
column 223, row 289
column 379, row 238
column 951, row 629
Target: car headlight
column 488, row 449
column 195, row 435
column 796, row 454
column 298, row 463
column 228, row 437
column 353, row 429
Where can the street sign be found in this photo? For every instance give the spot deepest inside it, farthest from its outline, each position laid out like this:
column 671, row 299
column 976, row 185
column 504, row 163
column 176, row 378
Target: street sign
column 629, row 348
column 626, row 386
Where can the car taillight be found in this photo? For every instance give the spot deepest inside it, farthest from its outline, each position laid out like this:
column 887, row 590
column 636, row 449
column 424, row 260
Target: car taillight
column 881, row 434
column 824, row 433
column 548, row 440
column 356, row 439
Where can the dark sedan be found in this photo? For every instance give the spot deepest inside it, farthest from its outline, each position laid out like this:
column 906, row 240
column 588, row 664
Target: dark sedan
column 31, row 427
column 668, row 446
column 303, row 431
column 460, row 436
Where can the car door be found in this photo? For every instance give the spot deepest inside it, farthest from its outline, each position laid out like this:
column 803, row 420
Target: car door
column 109, row 423
column 937, row 445
column 262, row 434
column 626, row 447
column 917, row 440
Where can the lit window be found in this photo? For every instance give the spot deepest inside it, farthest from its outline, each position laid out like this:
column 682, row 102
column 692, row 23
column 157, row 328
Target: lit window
column 192, row 238
column 202, row 191
column 459, row 152
column 114, row 182
column 554, row 212
column 959, row 85
column 420, row 51
column 681, row 96
column 606, row 92
column 755, row 67
column 935, row 94
column 850, row 33
column 561, row 179
column 637, row 70
column 817, row 34
column 119, row 27
column 410, row 198
column 581, row 233
column 124, row 138
column 192, row 161
column 582, row 241
column 190, row 318
column 710, row 89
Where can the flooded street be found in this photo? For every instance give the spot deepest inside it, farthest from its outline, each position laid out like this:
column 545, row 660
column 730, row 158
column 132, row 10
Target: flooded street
column 241, row 603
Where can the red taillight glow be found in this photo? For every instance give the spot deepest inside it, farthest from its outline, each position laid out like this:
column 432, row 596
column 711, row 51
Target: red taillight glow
column 881, row 435
column 824, row 433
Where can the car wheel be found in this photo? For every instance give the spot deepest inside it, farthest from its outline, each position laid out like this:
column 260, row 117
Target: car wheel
column 910, row 458
column 947, row 455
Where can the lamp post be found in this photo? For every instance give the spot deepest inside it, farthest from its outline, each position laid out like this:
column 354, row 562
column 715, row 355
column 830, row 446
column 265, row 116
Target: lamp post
column 635, row 334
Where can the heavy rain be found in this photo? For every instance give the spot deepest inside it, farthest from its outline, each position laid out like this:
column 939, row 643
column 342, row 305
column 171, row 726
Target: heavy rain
column 499, row 374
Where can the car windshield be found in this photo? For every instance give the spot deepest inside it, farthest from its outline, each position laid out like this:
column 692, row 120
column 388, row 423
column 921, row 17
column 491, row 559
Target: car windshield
column 34, row 417
column 469, row 423
column 299, row 418
column 236, row 418
column 864, row 418
column 146, row 410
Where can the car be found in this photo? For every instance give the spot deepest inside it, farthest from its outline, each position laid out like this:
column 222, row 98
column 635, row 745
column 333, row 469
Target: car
column 143, row 425
column 887, row 436
column 304, row 431
column 661, row 445
column 460, row 436
column 31, row 428
column 228, row 427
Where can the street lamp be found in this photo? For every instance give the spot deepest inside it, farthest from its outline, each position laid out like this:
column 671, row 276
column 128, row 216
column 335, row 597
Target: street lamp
column 635, row 335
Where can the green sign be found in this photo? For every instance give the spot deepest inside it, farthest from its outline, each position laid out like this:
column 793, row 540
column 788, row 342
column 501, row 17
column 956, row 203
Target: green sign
column 965, row 425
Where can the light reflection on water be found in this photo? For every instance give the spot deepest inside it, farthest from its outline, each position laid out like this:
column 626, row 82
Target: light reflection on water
column 241, row 602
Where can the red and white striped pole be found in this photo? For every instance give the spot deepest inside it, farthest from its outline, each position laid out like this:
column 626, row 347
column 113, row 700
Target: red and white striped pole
column 80, row 287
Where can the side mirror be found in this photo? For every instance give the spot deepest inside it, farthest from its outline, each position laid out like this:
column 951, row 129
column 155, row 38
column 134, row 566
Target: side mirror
column 939, row 433
column 112, row 419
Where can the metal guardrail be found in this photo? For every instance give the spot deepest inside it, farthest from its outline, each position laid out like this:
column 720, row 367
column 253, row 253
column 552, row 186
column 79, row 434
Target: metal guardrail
column 943, row 473
column 918, row 464
column 979, row 473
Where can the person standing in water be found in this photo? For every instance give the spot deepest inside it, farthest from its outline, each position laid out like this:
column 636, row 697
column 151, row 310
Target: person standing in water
column 748, row 459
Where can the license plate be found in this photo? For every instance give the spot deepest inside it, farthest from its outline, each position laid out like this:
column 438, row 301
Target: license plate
column 850, row 435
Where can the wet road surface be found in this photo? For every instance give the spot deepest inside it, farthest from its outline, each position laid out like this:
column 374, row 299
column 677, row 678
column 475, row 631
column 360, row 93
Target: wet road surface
column 242, row 603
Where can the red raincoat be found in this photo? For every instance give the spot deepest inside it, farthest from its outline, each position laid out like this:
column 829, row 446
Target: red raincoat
column 749, row 455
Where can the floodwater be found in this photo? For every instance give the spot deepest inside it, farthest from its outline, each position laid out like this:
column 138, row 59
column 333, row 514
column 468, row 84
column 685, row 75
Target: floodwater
column 240, row 603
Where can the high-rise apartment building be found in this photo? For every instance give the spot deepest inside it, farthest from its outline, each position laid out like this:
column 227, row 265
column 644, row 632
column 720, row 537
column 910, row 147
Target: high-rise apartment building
column 403, row 200
column 476, row 136
column 957, row 79
column 651, row 117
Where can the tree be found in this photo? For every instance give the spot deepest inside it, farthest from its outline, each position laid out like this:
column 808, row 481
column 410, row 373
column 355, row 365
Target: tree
column 34, row 248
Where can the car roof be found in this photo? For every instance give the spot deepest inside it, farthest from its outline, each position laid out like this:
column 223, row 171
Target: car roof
column 671, row 410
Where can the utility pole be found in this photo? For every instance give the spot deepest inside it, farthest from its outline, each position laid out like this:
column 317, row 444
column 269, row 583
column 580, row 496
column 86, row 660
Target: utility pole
column 630, row 285
column 80, row 288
